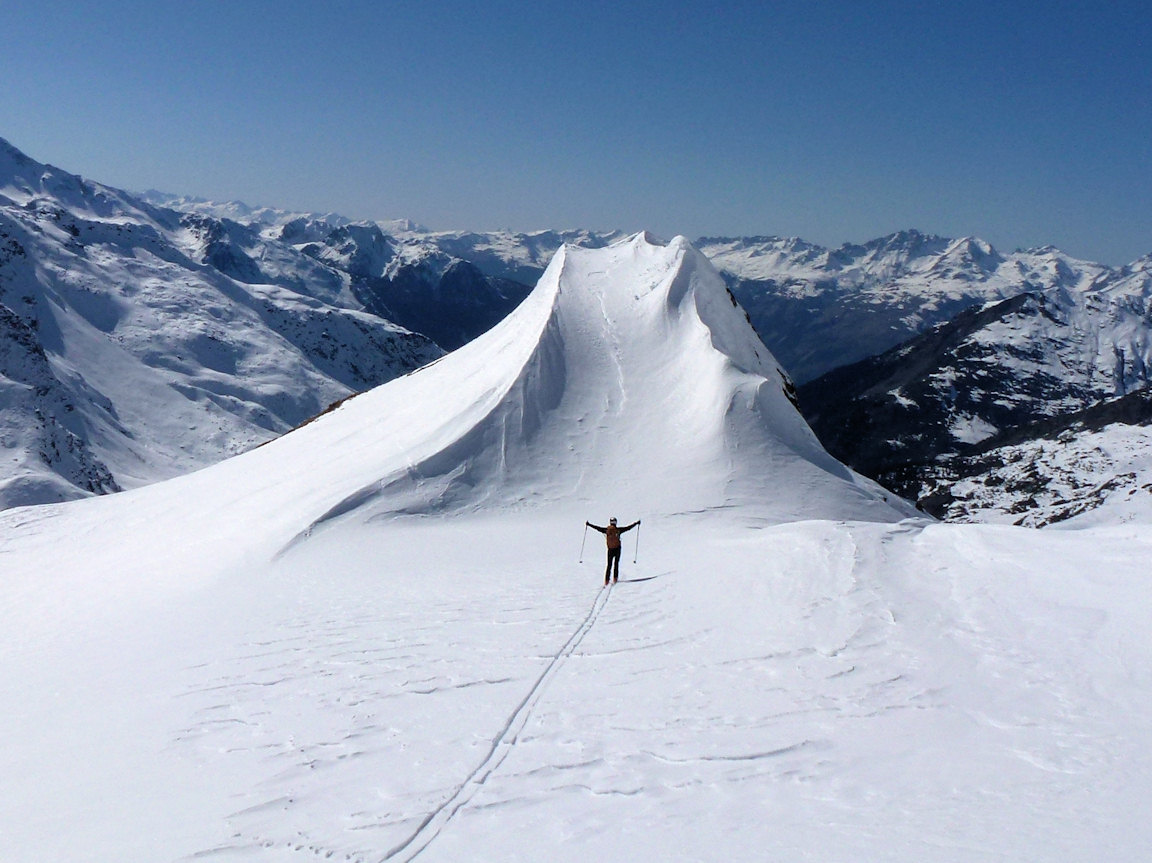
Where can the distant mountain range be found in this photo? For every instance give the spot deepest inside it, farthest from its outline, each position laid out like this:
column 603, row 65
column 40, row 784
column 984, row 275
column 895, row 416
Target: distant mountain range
column 147, row 335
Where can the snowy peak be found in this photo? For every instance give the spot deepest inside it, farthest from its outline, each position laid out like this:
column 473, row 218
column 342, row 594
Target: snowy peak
column 629, row 378
column 822, row 309
column 270, row 218
column 361, row 250
column 30, row 184
column 910, row 417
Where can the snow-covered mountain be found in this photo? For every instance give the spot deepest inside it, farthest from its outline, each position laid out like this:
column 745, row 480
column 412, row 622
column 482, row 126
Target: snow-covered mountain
column 141, row 343
column 415, row 283
column 819, row 309
column 991, row 372
column 449, row 285
column 1046, row 334
column 272, row 219
column 1093, row 466
column 816, row 308
column 373, row 638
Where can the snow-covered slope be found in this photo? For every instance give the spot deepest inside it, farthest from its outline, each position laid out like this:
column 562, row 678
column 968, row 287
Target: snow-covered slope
column 449, row 285
column 1092, row 466
column 555, row 402
column 371, row 639
column 629, row 377
column 142, row 343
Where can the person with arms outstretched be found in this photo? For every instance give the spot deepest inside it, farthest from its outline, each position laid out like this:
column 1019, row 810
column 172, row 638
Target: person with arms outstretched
column 612, row 535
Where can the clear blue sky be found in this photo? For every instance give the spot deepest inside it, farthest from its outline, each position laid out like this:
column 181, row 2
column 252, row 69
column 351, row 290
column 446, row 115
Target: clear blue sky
column 1025, row 123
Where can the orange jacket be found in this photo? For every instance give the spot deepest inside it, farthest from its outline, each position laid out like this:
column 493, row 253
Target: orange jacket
column 612, row 532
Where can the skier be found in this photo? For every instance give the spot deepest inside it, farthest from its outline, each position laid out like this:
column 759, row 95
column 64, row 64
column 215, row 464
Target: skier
column 612, row 535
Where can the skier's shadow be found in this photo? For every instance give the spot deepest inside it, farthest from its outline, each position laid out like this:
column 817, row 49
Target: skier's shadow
column 638, row 580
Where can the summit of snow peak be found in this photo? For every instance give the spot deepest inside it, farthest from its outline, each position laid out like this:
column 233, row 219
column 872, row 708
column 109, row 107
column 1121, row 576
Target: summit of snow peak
column 630, row 377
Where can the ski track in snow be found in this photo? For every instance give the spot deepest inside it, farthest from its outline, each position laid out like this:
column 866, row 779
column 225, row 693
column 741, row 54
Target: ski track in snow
column 613, row 338
column 251, row 710
column 438, row 819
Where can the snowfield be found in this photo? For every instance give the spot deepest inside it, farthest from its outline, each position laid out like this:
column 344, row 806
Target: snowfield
column 374, row 638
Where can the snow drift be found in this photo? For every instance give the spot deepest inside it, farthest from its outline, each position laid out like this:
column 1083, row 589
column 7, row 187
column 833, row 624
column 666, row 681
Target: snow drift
column 629, row 379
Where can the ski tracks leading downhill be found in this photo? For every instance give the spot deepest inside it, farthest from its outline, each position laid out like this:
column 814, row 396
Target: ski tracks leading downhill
column 502, row 744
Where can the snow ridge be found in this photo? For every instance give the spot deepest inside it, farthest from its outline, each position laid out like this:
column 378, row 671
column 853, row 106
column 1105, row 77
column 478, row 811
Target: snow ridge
column 626, row 366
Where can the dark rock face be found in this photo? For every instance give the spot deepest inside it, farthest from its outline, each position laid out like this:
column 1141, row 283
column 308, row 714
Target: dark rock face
column 950, row 405
column 451, row 305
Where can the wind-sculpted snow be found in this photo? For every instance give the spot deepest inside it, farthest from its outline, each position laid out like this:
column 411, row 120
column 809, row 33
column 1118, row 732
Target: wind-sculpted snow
column 630, row 377
column 383, row 635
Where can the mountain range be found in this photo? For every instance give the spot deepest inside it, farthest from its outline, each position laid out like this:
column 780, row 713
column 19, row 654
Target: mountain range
column 141, row 343
column 148, row 335
column 995, row 376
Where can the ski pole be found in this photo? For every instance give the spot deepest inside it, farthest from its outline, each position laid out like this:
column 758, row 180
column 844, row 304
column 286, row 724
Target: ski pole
column 581, row 560
column 636, row 553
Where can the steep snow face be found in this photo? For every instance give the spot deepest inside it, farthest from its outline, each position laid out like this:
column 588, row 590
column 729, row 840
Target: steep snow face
column 143, row 343
column 629, row 379
column 628, row 382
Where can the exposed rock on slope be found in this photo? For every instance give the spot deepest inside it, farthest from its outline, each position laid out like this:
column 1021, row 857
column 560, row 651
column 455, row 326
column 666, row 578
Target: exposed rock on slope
column 1092, row 465
column 917, row 416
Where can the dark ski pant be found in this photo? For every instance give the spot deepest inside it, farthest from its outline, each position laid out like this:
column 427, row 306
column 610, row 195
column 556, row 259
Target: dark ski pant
column 613, row 559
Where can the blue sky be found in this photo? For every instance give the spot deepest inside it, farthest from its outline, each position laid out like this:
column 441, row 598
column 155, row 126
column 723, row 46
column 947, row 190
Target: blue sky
column 1022, row 123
